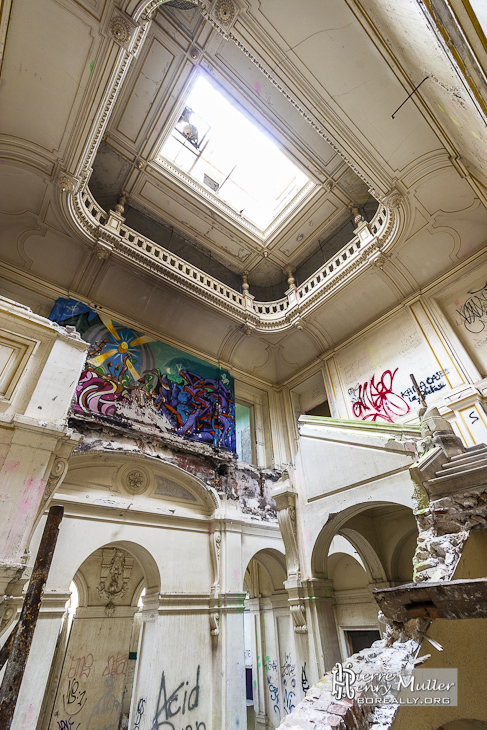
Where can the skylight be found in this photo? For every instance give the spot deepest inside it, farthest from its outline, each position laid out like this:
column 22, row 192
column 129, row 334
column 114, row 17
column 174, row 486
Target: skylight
column 216, row 145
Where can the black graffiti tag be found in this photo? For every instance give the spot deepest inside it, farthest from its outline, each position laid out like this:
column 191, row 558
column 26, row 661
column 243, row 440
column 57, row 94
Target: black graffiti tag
column 74, row 699
column 140, row 712
column 179, row 702
column 474, row 311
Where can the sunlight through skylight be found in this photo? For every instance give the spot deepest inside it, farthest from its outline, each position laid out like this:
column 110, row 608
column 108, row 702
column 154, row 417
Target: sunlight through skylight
column 219, row 147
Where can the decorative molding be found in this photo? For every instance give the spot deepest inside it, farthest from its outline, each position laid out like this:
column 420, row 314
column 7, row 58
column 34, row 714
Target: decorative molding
column 285, row 499
column 214, row 624
column 115, row 572
column 122, row 29
column 56, row 475
column 215, row 555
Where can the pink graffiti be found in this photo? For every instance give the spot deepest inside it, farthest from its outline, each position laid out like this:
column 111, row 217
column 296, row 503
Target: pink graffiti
column 80, row 666
column 116, row 665
column 374, row 400
column 97, row 393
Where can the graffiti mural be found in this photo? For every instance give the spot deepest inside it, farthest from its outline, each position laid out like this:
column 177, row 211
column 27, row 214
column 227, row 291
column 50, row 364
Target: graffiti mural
column 141, row 382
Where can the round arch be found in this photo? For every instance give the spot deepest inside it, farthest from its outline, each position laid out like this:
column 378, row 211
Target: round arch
column 337, row 524
column 396, row 555
column 116, row 461
column 371, row 560
column 152, row 576
column 273, row 563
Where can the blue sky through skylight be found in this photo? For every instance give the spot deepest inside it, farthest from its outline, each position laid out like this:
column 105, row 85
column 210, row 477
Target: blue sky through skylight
column 232, row 156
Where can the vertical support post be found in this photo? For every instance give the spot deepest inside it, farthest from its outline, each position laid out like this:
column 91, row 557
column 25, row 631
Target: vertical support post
column 19, row 653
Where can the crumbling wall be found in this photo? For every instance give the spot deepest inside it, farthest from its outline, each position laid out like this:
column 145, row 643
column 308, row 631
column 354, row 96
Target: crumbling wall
column 251, row 486
column 450, row 501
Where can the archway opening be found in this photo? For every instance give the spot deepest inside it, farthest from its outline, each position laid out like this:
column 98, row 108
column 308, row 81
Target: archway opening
column 93, row 670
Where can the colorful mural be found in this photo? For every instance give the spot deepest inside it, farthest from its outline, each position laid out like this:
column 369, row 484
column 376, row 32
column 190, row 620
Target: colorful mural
column 144, row 383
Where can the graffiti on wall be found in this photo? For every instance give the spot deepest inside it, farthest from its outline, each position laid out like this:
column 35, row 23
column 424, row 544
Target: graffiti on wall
column 141, row 382
column 474, row 311
column 272, row 677
column 376, row 399
column 379, row 398
column 172, row 707
column 431, row 384
column 288, row 675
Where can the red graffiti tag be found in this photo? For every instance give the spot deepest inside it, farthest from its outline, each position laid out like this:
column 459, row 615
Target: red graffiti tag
column 374, row 400
column 116, row 665
column 80, row 666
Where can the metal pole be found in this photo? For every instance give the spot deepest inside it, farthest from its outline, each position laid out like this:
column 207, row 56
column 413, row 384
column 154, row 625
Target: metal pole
column 14, row 672
column 7, row 647
column 418, row 391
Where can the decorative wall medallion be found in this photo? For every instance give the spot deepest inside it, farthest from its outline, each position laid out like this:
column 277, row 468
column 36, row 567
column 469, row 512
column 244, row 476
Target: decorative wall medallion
column 194, row 53
column 225, row 13
column 121, row 29
column 134, row 479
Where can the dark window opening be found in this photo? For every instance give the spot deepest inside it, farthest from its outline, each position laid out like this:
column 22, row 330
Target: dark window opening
column 358, row 640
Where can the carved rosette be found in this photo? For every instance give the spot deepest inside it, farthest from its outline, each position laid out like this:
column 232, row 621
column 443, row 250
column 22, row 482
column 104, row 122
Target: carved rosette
column 121, row 28
column 68, row 183
column 133, row 479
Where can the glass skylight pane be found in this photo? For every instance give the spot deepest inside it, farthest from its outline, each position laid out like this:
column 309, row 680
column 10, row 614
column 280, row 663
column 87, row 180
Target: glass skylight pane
column 218, row 146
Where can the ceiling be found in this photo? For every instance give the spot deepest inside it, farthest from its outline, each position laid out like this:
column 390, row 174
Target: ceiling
column 324, row 77
column 181, row 44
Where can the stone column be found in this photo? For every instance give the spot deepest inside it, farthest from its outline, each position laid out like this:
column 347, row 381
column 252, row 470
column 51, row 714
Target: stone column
column 318, row 601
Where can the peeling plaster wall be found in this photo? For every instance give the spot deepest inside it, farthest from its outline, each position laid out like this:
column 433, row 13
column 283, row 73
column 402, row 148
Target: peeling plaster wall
column 250, row 486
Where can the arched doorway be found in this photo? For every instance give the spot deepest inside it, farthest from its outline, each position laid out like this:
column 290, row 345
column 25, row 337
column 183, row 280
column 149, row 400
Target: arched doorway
column 365, row 546
column 93, row 670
